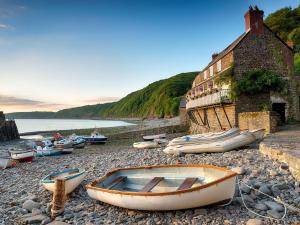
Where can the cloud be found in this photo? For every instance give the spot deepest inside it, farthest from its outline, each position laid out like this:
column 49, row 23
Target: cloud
column 103, row 99
column 10, row 10
column 5, row 27
column 15, row 104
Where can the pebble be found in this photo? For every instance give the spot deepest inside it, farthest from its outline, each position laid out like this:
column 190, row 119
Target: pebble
column 35, row 219
column 254, row 222
column 274, row 206
column 29, row 205
column 260, row 206
column 274, row 214
column 239, row 170
column 264, row 189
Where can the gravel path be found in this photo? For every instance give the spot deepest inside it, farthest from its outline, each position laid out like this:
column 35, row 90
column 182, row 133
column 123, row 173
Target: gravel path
column 21, row 184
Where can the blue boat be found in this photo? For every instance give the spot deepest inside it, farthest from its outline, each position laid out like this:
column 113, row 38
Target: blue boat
column 95, row 138
column 47, row 151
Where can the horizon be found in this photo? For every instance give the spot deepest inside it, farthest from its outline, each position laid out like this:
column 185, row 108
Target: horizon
column 57, row 54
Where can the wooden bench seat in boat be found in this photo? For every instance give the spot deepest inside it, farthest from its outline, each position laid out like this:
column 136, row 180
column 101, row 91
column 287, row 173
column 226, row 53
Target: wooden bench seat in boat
column 187, row 183
column 151, row 184
column 116, row 181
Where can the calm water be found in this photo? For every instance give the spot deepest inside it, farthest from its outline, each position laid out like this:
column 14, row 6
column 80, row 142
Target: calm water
column 29, row 125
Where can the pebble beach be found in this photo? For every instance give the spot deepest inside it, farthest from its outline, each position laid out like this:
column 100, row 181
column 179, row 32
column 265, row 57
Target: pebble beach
column 25, row 201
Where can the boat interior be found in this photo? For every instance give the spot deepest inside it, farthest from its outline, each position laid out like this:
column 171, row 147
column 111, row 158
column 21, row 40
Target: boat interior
column 62, row 175
column 165, row 179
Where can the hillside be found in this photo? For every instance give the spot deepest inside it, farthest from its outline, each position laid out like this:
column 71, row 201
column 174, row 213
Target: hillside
column 30, row 115
column 158, row 99
column 285, row 23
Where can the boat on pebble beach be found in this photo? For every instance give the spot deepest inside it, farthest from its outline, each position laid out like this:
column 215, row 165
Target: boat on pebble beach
column 95, row 138
column 156, row 143
column 164, row 187
column 73, row 177
column 47, row 151
column 22, row 155
column 7, row 162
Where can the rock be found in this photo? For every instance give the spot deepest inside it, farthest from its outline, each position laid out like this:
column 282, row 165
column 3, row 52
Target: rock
column 131, row 213
column 245, row 188
column 58, row 223
column 247, row 198
column 260, row 206
column 273, row 173
column 274, row 206
column 297, row 190
column 35, row 219
column 274, row 214
column 284, row 167
column 46, row 221
column 29, row 205
column 239, row 170
column 264, row 189
column 36, row 212
column 200, row 211
column 254, row 222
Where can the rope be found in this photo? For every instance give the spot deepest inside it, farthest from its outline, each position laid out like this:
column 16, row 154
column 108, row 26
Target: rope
column 267, row 217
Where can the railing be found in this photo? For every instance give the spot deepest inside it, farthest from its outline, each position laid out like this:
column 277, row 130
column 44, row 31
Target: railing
column 221, row 96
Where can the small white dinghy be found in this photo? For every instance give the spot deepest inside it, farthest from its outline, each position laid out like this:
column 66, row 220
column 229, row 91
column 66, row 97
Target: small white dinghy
column 164, row 187
column 156, row 143
column 212, row 137
column 241, row 140
column 153, row 137
column 73, row 178
column 22, row 155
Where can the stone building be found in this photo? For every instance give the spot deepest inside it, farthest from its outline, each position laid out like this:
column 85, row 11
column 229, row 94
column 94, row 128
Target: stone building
column 208, row 104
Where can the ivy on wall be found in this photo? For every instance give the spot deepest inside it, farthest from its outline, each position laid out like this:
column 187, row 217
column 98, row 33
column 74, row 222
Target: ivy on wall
column 252, row 82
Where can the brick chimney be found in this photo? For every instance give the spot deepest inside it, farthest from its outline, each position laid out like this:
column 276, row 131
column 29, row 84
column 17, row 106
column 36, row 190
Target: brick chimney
column 214, row 55
column 254, row 20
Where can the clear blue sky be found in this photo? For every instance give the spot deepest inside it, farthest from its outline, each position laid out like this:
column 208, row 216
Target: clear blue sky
column 61, row 53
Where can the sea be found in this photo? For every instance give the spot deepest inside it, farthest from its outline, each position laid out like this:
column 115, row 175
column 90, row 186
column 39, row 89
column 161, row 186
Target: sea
column 32, row 125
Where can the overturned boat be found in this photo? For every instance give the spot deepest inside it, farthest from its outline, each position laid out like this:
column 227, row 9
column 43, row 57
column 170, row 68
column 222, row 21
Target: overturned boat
column 164, row 187
column 210, row 137
column 222, row 145
column 73, row 178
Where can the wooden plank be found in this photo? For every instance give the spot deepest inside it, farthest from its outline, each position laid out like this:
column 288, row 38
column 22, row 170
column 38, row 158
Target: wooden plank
column 187, row 183
column 151, row 184
column 116, row 181
column 59, row 198
column 226, row 116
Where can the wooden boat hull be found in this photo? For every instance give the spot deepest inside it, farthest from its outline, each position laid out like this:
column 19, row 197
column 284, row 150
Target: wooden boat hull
column 209, row 193
column 72, row 181
column 218, row 146
column 146, row 145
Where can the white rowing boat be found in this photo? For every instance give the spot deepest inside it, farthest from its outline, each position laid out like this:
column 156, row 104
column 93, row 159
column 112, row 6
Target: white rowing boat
column 22, row 155
column 6, row 162
column 164, row 187
column 73, row 178
column 222, row 145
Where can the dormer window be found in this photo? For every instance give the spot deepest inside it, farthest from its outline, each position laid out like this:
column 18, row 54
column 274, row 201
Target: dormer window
column 205, row 74
column 211, row 71
column 219, row 66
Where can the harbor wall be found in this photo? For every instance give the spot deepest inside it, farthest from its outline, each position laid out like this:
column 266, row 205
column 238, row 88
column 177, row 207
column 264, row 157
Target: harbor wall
column 8, row 129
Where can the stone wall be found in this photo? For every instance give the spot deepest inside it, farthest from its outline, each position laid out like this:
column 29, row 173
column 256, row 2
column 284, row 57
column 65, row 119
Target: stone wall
column 207, row 119
column 266, row 51
column 255, row 120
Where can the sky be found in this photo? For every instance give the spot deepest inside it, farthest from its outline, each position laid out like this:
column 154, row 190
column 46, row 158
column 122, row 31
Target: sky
column 57, row 54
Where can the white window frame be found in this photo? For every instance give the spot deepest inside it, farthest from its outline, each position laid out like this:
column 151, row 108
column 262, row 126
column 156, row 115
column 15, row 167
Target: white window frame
column 219, row 66
column 211, row 70
column 205, row 74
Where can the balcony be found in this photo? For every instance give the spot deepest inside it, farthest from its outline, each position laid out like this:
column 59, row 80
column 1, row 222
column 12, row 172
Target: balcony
column 221, row 96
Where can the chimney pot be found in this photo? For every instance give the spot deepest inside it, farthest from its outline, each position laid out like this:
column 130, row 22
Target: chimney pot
column 214, row 55
column 254, row 20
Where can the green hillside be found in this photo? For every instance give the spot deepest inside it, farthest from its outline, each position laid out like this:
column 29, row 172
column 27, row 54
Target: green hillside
column 30, row 115
column 285, row 23
column 159, row 99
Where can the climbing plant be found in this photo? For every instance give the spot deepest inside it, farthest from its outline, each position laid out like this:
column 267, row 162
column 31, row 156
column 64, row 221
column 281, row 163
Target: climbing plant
column 252, row 82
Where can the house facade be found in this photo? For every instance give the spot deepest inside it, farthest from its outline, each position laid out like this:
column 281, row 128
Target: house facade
column 208, row 104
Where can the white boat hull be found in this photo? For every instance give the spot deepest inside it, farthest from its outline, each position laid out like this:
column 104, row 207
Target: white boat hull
column 22, row 155
column 70, row 184
column 146, row 144
column 6, row 163
column 217, row 146
column 218, row 185
column 152, row 137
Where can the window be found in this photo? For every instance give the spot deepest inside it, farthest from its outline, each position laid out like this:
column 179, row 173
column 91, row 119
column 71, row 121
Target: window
column 219, row 65
column 205, row 75
column 211, row 71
